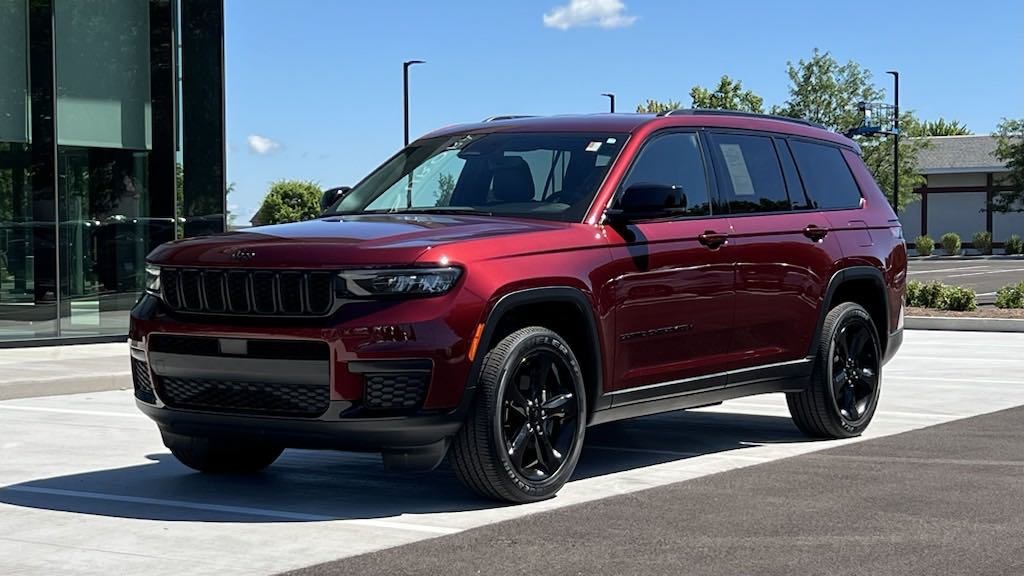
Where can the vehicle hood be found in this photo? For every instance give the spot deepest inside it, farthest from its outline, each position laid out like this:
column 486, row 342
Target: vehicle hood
column 372, row 239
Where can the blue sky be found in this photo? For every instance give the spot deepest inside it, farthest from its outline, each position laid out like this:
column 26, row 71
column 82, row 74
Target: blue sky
column 314, row 87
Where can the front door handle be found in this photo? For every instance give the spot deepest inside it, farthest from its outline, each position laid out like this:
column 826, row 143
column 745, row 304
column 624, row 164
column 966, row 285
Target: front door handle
column 712, row 239
column 815, row 233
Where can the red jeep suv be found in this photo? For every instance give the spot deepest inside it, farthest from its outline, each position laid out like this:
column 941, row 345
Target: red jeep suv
column 494, row 289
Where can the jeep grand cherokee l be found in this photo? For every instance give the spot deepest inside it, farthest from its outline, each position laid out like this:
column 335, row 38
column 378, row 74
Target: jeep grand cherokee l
column 493, row 289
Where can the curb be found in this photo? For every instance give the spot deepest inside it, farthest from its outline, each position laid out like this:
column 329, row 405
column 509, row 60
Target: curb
column 964, row 324
column 9, row 390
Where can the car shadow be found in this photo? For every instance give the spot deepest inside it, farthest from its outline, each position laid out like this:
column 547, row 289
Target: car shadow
column 306, row 485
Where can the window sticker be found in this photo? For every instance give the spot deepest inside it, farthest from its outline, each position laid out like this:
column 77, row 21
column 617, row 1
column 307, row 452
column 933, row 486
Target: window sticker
column 610, row 141
column 742, row 185
column 593, row 147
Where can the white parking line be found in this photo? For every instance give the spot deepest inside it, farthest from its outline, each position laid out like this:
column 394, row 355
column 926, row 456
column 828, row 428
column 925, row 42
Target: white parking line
column 69, row 411
column 945, row 270
column 1011, row 270
column 242, row 510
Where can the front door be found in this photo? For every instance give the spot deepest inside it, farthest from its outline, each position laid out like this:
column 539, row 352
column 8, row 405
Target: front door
column 672, row 287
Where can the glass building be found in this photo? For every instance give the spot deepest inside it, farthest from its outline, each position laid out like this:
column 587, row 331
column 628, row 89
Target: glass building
column 111, row 142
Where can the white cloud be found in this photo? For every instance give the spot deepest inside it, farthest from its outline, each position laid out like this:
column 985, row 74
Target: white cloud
column 603, row 13
column 262, row 145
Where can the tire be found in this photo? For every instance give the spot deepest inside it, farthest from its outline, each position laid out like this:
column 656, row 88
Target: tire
column 843, row 392
column 493, row 452
column 221, row 456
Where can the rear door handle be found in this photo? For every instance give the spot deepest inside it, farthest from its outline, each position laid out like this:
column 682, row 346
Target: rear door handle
column 815, row 233
column 712, row 239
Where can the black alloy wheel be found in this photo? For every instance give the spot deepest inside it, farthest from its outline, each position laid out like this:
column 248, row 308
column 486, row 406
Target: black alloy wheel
column 523, row 436
column 843, row 391
column 538, row 410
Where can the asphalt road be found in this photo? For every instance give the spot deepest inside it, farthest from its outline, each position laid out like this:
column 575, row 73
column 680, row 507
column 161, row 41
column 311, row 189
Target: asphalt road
column 86, row 487
column 984, row 275
column 943, row 500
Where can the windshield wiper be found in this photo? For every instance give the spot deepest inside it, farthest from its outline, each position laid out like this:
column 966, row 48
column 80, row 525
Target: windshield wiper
column 442, row 210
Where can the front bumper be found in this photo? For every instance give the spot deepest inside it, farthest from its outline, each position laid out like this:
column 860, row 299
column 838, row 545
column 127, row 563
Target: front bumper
column 353, row 349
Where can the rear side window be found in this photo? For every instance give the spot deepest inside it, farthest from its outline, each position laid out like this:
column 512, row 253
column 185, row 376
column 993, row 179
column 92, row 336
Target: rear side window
column 826, row 176
column 674, row 160
column 749, row 174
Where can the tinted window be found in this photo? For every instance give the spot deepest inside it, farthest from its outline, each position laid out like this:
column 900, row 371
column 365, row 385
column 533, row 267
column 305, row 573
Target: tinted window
column 826, row 176
column 674, row 160
column 793, row 183
column 749, row 174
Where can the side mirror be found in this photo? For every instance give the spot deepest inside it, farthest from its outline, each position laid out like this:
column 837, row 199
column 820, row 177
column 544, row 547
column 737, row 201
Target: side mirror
column 332, row 195
column 645, row 201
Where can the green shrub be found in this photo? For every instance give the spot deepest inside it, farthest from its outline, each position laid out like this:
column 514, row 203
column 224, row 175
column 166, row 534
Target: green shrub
column 1014, row 245
column 950, row 243
column 983, row 242
column 924, row 245
column 291, row 201
column 1011, row 296
column 924, row 295
column 958, row 298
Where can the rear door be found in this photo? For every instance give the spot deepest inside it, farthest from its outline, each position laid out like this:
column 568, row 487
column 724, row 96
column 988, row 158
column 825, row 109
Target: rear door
column 784, row 248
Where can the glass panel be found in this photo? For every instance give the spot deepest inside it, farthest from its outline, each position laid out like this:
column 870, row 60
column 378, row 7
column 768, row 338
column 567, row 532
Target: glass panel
column 103, row 73
column 28, row 304
column 674, row 160
column 13, row 71
column 749, row 174
column 104, row 137
column 826, row 175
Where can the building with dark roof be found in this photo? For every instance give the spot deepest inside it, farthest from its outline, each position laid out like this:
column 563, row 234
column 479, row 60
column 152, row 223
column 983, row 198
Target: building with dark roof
column 962, row 176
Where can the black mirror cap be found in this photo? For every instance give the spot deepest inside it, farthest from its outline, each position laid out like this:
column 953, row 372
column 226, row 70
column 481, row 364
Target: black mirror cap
column 332, row 195
column 649, row 201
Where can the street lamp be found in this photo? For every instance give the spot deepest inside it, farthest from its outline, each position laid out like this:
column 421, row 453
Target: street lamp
column 896, row 140
column 405, row 91
column 611, row 101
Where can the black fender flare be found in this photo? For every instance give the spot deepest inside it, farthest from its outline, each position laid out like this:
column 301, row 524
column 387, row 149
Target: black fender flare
column 566, row 294
column 837, row 280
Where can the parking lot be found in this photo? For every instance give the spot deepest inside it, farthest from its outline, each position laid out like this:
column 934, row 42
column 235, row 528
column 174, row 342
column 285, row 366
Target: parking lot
column 983, row 275
column 86, row 487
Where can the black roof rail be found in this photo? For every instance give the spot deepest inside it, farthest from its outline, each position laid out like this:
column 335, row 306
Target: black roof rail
column 716, row 112
column 507, row 117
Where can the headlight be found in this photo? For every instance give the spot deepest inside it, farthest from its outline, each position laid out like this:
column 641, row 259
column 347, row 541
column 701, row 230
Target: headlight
column 153, row 279
column 410, row 282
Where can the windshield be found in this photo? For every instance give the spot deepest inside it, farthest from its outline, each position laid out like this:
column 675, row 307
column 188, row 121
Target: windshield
column 537, row 175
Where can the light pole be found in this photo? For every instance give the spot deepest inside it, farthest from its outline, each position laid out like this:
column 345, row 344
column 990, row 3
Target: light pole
column 405, row 92
column 611, row 101
column 896, row 140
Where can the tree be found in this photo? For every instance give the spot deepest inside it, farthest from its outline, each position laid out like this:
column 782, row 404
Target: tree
column 729, row 95
column 824, row 91
column 1010, row 149
column 940, row 127
column 291, row 201
column 445, row 187
column 657, row 107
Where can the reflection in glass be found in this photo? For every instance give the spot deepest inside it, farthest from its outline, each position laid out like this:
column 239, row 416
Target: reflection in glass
column 27, row 306
column 104, row 135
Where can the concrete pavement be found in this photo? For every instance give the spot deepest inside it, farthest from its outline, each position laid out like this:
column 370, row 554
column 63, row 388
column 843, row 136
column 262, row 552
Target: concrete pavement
column 50, row 370
column 86, row 487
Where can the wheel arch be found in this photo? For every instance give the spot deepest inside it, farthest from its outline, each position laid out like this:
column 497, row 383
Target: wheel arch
column 533, row 307
column 864, row 285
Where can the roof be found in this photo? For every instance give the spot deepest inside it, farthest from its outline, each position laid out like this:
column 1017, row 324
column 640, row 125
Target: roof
column 629, row 123
column 959, row 155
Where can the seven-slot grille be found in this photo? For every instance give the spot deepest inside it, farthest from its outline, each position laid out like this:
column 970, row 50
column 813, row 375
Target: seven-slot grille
column 249, row 292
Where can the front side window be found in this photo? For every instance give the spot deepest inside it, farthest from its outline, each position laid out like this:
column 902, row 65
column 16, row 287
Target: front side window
column 674, row 160
column 826, row 175
column 749, row 175
column 536, row 175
